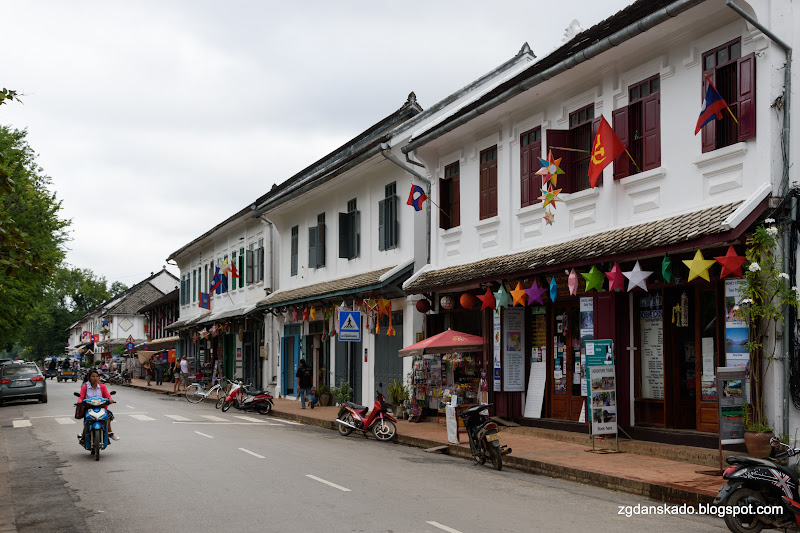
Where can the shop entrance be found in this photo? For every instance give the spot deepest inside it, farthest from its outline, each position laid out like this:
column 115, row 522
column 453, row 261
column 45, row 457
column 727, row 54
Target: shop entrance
column 565, row 394
column 680, row 356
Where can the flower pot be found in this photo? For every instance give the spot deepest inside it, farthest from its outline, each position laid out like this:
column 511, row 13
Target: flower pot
column 324, row 399
column 757, row 444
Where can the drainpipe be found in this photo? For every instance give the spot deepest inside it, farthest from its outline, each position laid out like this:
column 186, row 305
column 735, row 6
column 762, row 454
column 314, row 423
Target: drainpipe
column 268, row 379
column 386, row 152
column 788, row 263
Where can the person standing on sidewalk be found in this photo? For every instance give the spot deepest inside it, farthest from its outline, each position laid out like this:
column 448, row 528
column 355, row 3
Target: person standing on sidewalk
column 148, row 370
column 176, row 374
column 304, row 383
column 158, row 368
column 184, row 373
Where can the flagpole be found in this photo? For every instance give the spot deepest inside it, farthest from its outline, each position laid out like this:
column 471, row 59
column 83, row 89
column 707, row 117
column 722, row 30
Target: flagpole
column 726, row 103
column 570, row 149
column 632, row 160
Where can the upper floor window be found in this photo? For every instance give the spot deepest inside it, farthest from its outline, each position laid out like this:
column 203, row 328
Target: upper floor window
column 295, row 250
column 387, row 218
column 735, row 79
column 316, row 243
column 242, row 271
column 638, row 126
column 450, row 197
column 233, row 262
column 194, row 285
column 578, row 138
column 260, row 260
column 488, row 183
column 530, row 150
column 349, row 232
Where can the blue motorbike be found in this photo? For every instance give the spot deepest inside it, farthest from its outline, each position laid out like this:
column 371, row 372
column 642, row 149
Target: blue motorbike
column 95, row 425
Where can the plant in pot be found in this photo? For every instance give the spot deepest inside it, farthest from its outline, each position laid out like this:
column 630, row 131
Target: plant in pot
column 765, row 295
column 323, row 394
column 397, row 395
column 342, row 393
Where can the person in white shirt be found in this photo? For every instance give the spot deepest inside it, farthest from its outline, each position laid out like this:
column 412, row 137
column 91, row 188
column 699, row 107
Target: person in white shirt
column 184, row 372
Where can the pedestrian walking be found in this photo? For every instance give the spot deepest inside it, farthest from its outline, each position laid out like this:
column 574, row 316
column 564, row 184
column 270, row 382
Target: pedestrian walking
column 304, row 383
column 148, row 370
column 184, row 372
column 158, row 368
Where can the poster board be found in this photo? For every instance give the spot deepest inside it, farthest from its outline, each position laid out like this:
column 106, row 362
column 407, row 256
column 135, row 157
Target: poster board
column 536, row 386
column 496, row 349
column 601, row 386
column 513, row 349
column 452, row 423
column 730, row 387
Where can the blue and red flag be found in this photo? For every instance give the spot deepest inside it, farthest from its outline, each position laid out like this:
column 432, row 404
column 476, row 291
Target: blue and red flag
column 416, row 197
column 216, row 281
column 713, row 105
column 205, row 300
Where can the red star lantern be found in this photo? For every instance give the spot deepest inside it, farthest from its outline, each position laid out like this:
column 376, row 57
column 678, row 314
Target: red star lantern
column 306, row 314
column 731, row 263
column 616, row 279
column 487, row 300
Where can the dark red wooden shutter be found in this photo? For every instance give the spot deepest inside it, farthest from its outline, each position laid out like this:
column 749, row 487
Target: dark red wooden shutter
column 746, row 95
column 619, row 123
column 484, row 184
column 525, row 175
column 709, row 132
column 562, row 138
column 651, row 116
column 456, row 199
column 492, row 197
column 595, row 127
column 536, row 180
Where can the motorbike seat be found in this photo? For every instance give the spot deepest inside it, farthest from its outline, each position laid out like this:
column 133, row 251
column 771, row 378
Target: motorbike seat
column 357, row 407
column 739, row 460
column 256, row 392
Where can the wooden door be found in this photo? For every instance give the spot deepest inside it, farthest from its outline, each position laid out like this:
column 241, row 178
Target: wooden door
column 565, row 393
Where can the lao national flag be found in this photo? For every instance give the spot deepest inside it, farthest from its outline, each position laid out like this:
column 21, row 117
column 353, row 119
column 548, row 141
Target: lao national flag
column 216, row 281
column 713, row 104
column 416, row 197
column 205, row 300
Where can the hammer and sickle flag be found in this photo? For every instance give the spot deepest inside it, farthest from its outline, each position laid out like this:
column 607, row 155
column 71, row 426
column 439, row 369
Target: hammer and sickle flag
column 605, row 148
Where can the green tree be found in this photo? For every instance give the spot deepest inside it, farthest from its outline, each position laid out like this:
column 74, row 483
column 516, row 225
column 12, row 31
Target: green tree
column 32, row 236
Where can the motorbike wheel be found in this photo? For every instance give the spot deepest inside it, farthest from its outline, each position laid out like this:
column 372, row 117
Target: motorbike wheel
column 97, row 436
column 220, row 399
column 344, row 430
column 744, row 523
column 265, row 408
column 385, row 430
column 226, row 405
column 195, row 394
column 496, row 456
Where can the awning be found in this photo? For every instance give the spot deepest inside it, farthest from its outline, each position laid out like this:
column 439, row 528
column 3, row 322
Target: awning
column 447, row 341
column 165, row 342
column 145, row 355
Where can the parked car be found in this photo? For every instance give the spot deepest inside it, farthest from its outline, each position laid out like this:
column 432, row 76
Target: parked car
column 5, row 361
column 20, row 381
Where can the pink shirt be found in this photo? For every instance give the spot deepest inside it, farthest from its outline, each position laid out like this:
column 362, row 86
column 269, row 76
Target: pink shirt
column 103, row 391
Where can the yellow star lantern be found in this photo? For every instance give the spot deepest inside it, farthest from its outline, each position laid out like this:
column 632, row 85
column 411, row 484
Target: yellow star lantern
column 519, row 295
column 698, row 267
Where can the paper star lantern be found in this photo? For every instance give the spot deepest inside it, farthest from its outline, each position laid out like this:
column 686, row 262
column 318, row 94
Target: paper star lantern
column 294, row 315
column 666, row 269
column 204, row 333
column 550, row 168
column 306, row 314
column 519, row 295
column 549, row 196
column 616, row 279
column 501, row 297
column 731, row 263
column 573, row 283
column 698, row 266
column 487, row 300
column 313, row 313
column 594, row 279
column 637, row 277
column 548, row 218
column 553, row 289
column 343, row 306
column 536, row 293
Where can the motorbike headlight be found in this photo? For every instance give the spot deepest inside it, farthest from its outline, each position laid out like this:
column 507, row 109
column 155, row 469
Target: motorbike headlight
column 97, row 414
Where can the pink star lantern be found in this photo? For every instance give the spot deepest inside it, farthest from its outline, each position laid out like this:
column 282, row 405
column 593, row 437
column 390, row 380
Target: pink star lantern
column 294, row 315
column 536, row 293
column 214, row 330
column 573, row 282
column 616, row 279
column 548, row 217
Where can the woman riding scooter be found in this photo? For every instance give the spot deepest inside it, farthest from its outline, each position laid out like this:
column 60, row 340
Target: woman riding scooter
column 94, row 389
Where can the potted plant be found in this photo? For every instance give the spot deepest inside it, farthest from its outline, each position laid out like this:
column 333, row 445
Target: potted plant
column 342, row 393
column 397, row 395
column 323, row 393
column 766, row 292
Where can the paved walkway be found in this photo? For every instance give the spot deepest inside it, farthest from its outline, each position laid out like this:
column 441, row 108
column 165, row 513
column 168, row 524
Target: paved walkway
column 655, row 477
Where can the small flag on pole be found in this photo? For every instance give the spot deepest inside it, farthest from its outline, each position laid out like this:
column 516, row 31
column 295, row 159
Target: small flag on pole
column 216, row 281
column 713, row 104
column 416, row 197
column 205, row 300
column 606, row 148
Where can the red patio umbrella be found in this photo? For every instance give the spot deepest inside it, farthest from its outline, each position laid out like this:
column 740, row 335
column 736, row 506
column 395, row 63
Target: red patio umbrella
column 447, row 341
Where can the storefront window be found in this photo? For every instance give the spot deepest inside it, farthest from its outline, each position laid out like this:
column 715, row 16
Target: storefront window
column 651, row 363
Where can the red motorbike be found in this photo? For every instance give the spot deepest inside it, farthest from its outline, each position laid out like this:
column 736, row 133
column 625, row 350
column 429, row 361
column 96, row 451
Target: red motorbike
column 246, row 400
column 353, row 416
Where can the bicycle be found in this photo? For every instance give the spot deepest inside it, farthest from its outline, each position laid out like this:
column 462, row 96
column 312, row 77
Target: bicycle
column 195, row 393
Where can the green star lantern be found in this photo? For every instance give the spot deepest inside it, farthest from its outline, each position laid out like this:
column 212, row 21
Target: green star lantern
column 594, row 279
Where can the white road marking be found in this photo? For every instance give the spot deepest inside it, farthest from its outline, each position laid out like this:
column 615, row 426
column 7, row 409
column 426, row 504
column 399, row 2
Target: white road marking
column 22, row 423
column 442, row 527
column 143, row 418
column 334, row 485
column 129, row 406
column 215, row 418
column 286, row 421
column 179, row 418
column 226, row 423
column 252, row 453
column 65, row 421
column 248, row 418
column 204, row 435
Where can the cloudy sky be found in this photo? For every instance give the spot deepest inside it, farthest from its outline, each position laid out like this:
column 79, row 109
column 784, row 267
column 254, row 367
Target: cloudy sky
column 157, row 120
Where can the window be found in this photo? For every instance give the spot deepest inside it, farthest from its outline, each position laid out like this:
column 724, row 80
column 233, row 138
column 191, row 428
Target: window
column 575, row 162
column 242, row 272
column 349, row 234
column 217, row 271
column 294, row 251
column 638, row 126
column 250, row 264
column 194, row 285
column 450, row 197
column 530, row 150
column 183, row 290
column 735, row 79
column 233, row 262
column 387, row 218
column 260, row 260
column 316, row 243
column 488, row 183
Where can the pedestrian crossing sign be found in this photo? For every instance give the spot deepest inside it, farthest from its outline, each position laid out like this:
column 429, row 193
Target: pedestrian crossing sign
column 350, row 326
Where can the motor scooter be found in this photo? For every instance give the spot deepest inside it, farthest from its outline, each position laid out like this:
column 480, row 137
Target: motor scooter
column 245, row 400
column 95, row 425
column 353, row 416
column 484, row 438
column 758, row 483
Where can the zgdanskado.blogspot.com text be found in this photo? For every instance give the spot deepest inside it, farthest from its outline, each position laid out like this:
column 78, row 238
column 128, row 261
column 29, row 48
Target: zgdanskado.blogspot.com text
column 702, row 508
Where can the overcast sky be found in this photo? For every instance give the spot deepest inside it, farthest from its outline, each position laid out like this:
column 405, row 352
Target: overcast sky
column 156, row 120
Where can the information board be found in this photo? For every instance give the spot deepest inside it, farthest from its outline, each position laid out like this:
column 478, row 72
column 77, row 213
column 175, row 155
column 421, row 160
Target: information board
column 513, row 350
column 730, row 387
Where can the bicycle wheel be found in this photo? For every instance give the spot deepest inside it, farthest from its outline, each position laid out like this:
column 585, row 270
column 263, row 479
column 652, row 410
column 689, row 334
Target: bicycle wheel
column 220, row 398
column 226, row 406
column 194, row 394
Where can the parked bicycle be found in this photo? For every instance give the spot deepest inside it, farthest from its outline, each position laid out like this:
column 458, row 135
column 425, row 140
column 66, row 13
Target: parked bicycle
column 196, row 392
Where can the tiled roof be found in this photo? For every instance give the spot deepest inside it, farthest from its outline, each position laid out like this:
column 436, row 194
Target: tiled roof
column 136, row 299
column 668, row 231
column 350, row 283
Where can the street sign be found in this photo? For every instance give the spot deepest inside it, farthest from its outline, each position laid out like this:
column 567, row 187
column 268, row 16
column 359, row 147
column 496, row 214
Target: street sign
column 129, row 339
column 129, row 346
column 350, row 326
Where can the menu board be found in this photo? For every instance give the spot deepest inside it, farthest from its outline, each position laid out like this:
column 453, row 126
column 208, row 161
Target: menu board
column 651, row 325
column 730, row 381
column 496, row 349
column 513, row 351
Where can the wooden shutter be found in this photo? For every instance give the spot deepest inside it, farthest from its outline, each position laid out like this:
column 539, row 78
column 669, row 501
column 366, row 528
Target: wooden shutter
column 382, row 224
column 525, row 175
column 344, row 235
column 312, row 247
column 455, row 195
column 391, row 204
column 619, row 123
column 488, row 186
column 746, row 95
column 651, row 117
column 536, row 180
column 355, row 224
column 320, row 245
column 708, row 134
column 260, row 253
column 492, row 196
column 595, row 127
column 562, row 138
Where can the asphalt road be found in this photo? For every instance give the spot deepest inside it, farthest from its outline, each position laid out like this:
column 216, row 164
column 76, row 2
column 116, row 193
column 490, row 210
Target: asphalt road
column 191, row 468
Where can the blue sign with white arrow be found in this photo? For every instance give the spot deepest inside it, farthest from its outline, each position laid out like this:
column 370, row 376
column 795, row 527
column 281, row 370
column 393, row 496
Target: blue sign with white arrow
column 350, row 326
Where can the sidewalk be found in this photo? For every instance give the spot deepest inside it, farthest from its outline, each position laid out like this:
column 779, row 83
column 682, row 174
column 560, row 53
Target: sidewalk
column 655, row 477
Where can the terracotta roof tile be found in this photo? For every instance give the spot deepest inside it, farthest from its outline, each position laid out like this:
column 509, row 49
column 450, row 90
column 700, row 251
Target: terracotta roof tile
column 350, row 283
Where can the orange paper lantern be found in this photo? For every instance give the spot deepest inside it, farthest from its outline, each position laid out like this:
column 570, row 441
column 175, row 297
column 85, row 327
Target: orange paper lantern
column 467, row 300
column 423, row 306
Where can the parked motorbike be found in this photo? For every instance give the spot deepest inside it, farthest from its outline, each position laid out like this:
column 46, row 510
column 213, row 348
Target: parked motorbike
column 95, row 425
column 244, row 400
column 761, row 482
column 484, row 438
column 354, row 417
